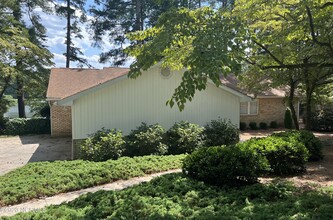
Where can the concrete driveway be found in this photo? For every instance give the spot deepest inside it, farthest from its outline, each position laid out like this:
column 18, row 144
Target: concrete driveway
column 19, row 150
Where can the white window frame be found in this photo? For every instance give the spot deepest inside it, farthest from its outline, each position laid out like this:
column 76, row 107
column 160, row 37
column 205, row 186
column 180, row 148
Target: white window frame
column 249, row 108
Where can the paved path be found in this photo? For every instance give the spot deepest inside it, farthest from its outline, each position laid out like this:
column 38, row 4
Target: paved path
column 17, row 151
column 35, row 205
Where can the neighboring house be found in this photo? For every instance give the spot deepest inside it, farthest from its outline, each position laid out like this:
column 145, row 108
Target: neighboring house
column 265, row 106
column 85, row 100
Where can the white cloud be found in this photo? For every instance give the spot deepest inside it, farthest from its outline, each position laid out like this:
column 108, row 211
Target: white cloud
column 56, row 34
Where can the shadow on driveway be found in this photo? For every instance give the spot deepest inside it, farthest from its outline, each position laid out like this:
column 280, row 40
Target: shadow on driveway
column 20, row 150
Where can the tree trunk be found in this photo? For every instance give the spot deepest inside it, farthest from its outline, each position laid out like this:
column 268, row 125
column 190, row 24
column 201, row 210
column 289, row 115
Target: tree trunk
column 138, row 15
column 291, row 103
column 68, row 37
column 19, row 79
column 308, row 110
column 5, row 86
column 308, row 100
column 20, row 97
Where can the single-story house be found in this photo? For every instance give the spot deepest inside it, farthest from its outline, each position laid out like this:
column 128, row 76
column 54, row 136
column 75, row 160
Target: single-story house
column 265, row 106
column 83, row 101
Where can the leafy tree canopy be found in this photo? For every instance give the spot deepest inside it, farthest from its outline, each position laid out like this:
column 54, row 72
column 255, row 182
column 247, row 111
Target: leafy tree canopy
column 258, row 35
column 202, row 41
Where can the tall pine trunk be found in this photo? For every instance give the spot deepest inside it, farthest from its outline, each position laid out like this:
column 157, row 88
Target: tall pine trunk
column 68, row 37
column 20, row 97
column 138, row 15
column 19, row 78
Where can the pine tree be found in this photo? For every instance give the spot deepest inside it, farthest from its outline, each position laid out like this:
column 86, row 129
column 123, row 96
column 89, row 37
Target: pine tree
column 70, row 11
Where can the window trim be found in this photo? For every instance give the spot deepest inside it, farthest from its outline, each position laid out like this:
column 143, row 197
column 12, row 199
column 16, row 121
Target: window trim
column 249, row 108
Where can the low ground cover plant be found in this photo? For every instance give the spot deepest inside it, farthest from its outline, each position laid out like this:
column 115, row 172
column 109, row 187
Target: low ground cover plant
column 49, row 178
column 184, row 137
column 174, row 196
column 312, row 143
column 221, row 132
column 225, row 165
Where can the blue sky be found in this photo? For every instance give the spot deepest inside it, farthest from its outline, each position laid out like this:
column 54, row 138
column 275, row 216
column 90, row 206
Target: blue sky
column 56, row 37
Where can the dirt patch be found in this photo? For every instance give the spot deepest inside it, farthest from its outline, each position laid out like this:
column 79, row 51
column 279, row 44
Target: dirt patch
column 318, row 174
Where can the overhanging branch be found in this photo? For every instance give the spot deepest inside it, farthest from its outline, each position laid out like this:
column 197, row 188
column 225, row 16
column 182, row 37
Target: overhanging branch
column 298, row 66
column 313, row 35
column 269, row 53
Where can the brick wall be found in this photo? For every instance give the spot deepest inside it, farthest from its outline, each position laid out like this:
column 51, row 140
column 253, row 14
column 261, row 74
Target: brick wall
column 61, row 121
column 269, row 110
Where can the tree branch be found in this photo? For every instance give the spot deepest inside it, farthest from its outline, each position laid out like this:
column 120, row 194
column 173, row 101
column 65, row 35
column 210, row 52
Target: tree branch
column 297, row 66
column 269, row 53
column 326, row 5
column 314, row 38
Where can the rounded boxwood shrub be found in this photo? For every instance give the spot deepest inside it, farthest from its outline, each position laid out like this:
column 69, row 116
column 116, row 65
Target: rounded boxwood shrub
column 285, row 157
column 221, row 132
column 263, row 125
column 103, row 145
column 224, row 165
column 253, row 125
column 273, row 124
column 145, row 140
column 312, row 143
column 184, row 137
column 242, row 126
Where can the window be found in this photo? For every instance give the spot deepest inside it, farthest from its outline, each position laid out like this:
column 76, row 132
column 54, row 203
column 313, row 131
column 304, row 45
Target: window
column 249, row 108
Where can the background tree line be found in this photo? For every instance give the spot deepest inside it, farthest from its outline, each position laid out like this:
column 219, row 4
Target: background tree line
column 286, row 43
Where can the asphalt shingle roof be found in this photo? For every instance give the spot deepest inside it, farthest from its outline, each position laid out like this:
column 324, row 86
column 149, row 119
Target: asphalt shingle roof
column 65, row 82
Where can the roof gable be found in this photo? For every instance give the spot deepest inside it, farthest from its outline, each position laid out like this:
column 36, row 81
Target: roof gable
column 66, row 82
column 232, row 82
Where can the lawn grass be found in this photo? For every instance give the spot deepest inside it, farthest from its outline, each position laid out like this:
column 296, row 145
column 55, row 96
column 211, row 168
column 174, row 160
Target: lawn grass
column 42, row 179
column 175, row 196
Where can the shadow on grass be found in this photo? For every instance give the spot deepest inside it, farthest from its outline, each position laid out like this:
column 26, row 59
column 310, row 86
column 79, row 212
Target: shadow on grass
column 174, row 196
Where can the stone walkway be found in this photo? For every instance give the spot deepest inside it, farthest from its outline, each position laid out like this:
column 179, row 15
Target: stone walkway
column 35, row 205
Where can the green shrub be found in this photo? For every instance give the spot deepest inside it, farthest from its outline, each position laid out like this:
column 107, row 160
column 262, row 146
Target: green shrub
column 242, row 126
column 45, row 111
column 253, row 125
column 221, row 132
column 23, row 126
column 224, row 165
column 288, row 121
column 3, row 122
column 311, row 142
column 263, row 125
column 184, row 137
column 273, row 124
column 322, row 120
column 103, row 145
column 145, row 140
column 284, row 157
